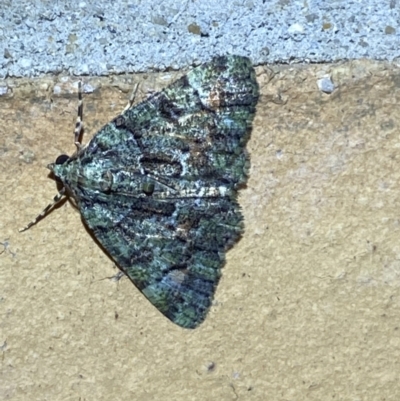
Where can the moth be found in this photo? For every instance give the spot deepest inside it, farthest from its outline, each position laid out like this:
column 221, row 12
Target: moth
column 157, row 186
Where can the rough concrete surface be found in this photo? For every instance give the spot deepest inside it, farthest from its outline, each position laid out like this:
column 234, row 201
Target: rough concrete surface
column 89, row 37
column 308, row 307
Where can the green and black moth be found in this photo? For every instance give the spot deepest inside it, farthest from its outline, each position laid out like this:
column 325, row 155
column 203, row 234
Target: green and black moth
column 157, row 186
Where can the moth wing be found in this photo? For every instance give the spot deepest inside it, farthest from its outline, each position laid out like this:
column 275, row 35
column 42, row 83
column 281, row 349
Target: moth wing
column 169, row 168
column 174, row 253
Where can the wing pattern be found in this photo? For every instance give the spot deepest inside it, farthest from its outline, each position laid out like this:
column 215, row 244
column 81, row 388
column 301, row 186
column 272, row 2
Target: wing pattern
column 158, row 185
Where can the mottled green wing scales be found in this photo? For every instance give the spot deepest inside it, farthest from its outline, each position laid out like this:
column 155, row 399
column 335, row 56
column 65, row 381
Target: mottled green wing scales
column 158, row 185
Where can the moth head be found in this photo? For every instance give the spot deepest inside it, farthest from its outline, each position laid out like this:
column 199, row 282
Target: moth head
column 55, row 167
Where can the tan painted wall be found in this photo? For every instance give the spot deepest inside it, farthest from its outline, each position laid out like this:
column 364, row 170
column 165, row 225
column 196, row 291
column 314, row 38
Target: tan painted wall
column 309, row 304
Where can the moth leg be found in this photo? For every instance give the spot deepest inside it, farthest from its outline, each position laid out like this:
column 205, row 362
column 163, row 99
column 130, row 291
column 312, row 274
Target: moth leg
column 116, row 277
column 79, row 119
column 131, row 99
column 56, row 199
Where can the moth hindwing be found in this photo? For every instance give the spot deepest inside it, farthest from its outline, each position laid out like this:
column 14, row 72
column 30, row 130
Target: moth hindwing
column 157, row 186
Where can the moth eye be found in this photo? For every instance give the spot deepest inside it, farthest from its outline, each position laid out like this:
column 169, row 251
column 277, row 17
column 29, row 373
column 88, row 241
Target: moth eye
column 62, row 159
column 148, row 188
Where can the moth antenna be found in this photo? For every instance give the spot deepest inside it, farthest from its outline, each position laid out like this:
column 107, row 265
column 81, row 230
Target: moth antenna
column 79, row 119
column 56, row 199
column 131, row 99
